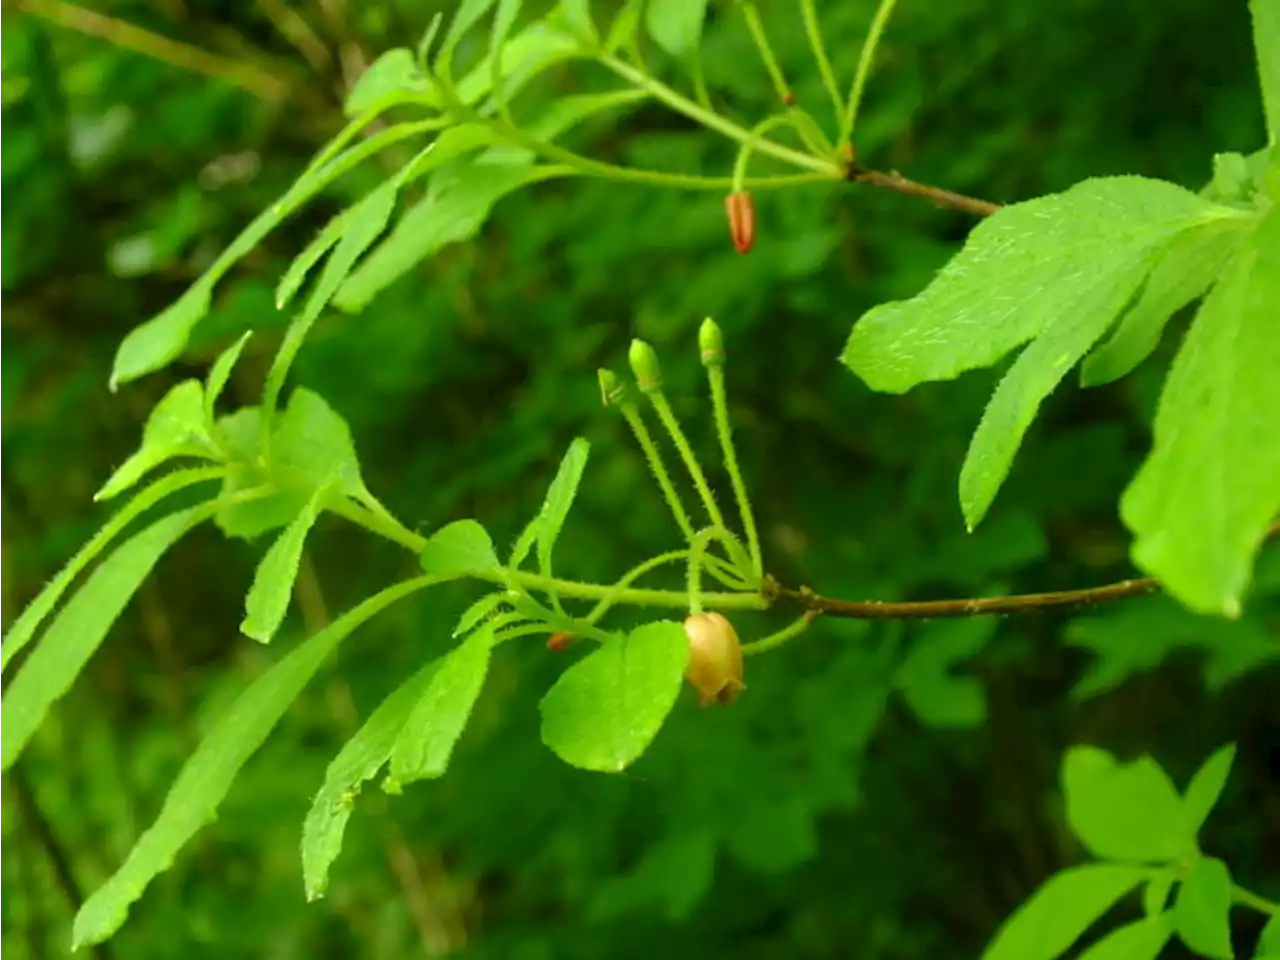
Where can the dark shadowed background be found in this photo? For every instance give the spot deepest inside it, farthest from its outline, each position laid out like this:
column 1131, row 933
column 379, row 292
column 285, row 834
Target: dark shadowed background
column 880, row 791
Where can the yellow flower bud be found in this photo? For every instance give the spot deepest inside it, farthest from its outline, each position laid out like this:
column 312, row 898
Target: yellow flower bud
column 715, row 658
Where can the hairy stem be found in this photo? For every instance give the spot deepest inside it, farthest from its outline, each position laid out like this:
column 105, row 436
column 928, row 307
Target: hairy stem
column 813, row 30
column 878, row 24
column 724, row 430
column 669, row 421
column 752, row 16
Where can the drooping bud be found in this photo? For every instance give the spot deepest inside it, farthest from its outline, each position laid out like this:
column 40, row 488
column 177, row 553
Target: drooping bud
column 612, row 390
column 741, row 210
column 711, row 343
column 644, row 364
column 715, row 658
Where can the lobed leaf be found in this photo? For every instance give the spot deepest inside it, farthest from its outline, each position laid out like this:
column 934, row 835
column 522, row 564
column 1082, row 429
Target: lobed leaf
column 1201, row 910
column 80, row 628
column 605, row 710
column 1186, row 269
column 1128, row 812
column 1062, row 909
column 207, row 775
column 358, row 761
column 1200, row 505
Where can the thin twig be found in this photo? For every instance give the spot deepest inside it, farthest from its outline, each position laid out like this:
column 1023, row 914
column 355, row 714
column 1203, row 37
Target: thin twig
column 1021, row 603
column 247, row 76
column 897, row 183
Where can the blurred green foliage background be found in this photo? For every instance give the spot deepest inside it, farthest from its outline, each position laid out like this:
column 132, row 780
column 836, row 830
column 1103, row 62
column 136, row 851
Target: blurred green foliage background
column 881, row 791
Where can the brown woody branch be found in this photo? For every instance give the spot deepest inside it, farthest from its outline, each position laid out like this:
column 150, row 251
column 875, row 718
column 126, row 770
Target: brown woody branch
column 1021, row 603
column 897, row 183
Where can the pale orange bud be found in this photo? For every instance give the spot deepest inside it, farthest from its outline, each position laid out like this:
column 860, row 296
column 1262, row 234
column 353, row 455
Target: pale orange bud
column 715, row 658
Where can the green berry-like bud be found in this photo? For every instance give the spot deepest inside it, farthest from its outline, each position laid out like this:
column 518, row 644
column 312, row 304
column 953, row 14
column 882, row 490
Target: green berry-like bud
column 711, row 343
column 612, row 390
column 644, row 364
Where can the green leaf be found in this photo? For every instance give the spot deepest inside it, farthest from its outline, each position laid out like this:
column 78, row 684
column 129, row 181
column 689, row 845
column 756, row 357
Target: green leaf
column 207, row 775
column 1201, row 503
column 478, row 612
column 624, row 27
column 1140, row 940
column 1023, row 271
column 219, row 374
column 560, row 116
column 363, row 224
column 938, row 697
column 441, row 218
column 175, row 428
column 577, row 14
column 80, row 628
column 161, row 339
column 451, row 144
column 676, row 25
column 29, row 620
column 1201, row 912
column 1061, row 910
column 1156, row 893
column 461, row 547
column 425, row 743
column 1269, row 943
column 1188, row 266
column 1124, row 811
column 358, row 761
column 1266, row 44
column 524, row 543
column 1207, row 785
column 313, row 442
column 311, row 254
column 268, row 598
column 241, row 433
column 468, row 15
column 605, row 710
column 395, row 71
column 560, row 496
column 525, row 56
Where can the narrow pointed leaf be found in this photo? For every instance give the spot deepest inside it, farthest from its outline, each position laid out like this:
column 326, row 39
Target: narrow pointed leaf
column 1201, row 503
column 359, row 761
column 80, row 628
column 425, row 742
column 1207, row 785
column 1266, row 44
column 1156, row 893
column 605, row 710
column 577, row 13
column 268, row 597
column 219, row 374
column 676, row 25
column 207, row 775
column 560, row 497
column 25, row 626
column 1186, row 269
column 1202, row 908
column 1062, row 909
column 395, row 71
column 478, row 612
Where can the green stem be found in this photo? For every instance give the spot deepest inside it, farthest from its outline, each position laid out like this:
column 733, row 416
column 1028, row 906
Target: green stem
column 700, row 92
column 813, row 30
column 1248, row 899
column 713, row 121
column 636, row 422
column 696, row 554
column 630, row 577
column 761, row 39
column 686, row 454
column 633, row 596
column 878, row 24
column 775, row 640
column 749, row 146
column 720, row 405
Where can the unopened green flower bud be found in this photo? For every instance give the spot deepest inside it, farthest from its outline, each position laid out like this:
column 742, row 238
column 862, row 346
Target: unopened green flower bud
column 715, row 658
column 644, row 364
column 711, row 343
column 612, row 390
